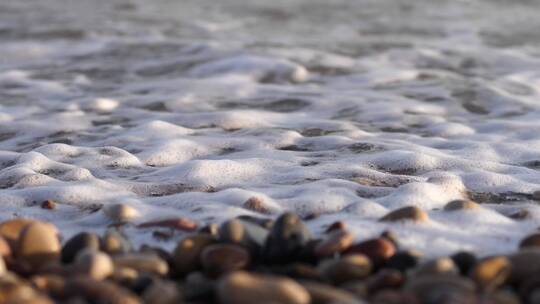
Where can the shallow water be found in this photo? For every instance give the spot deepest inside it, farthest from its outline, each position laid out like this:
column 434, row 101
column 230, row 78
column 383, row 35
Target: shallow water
column 347, row 109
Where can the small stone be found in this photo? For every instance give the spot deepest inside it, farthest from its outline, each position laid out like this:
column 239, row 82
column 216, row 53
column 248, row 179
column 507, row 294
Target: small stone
column 78, row 243
column 99, row 291
column 536, row 195
column 162, row 292
column 97, row 265
column 464, row 261
column 326, row 294
column 245, row 288
column 113, row 242
column 385, row 279
column 525, row 264
column 532, row 240
column 38, row 244
column 219, row 259
column 120, row 213
column 391, row 236
column 520, row 215
column 286, row 240
column 349, row 268
column 211, row 229
column 389, row 296
column 186, row 256
column 443, row 265
column 48, row 204
column 51, row 284
column 198, row 287
column 181, row 223
column 404, row 260
column 124, row 275
column 11, row 229
column 141, row 262
column 378, row 250
column 408, row 213
column 256, row 204
column 461, row 205
column 335, row 243
column 232, row 231
column 339, row 225
column 298, row 271
column 442, row 289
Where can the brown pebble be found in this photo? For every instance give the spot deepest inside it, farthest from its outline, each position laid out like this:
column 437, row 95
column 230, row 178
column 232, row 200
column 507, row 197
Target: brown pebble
column 442, row 265
column 525, row 264
column 5, row 249
column 141, row 262
column 245, row 288
column 335, row 243
column 390, row 296
column 163, row 292
column 460, row 205
column 532, row 240
column 222, row 258
column 38, row 244
column 180, row 223
column 339, row 225
column 378, row 250
column 491, row 272
column 120, row 213
column 48, row 204
column 49, row 283
column 95, row 264
column 385, row 279
column 520, row 215
column 11, row 229
column 323, row 294
column 186, row 255
column 408, row 213
column 348, row 268
column 256, row 204
column 99, row 291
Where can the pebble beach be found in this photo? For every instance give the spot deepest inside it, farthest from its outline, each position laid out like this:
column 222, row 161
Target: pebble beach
column 371, row 151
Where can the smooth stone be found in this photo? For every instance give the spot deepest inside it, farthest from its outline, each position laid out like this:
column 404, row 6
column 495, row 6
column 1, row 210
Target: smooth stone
column 336, row 242
column 186, row 255
column 464, row 261
column 389, row 296
column 212, row 229
column 181, row 223
column 124, row 275
column 113, row 242
column 532, row 240
column 11, row 229
column 298, row 271
column 5, row 249
column 48, row 204
column 536, row 195
column 403, row 260
column 348, row 268
column 162, row 292
column 385, row 279
column 358, row 288
column 491, row 272
column 219, row 259
column 256, row 204
column 38, row 244
column 232, row 231
column 244, row 288
column 378, row 250
column 286, row 240
column 95, row 291
column 442, row 265
column 141, row 262
column 199, row 288
column 78, row 243
column 120, row 212
column 338, row 225
column 51, row 284
column 461, row 205
column 3, row 268
column 520, row 215
column 326, row 294
column 95, row 264
column 501, row 297
column 438, row 288
column 525, row 264
column 408, row 213
column 263, row 222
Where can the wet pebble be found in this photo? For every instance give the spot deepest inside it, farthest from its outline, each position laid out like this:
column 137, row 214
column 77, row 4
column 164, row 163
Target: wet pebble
column 286, row 239
column 162, row 293
column 464, row 261
column 95, row 291
column 443, row 265
column 77, row 243
column 186, row 255
column 461, row 205
column 38, row 244
column 408, row 213
column 142, row 262
column 95, row 264
column 242, row 288
column 120, row 213
column 525, row 264
column 378, row 250
column 532, row 240
column 404, row 260
column 336, row 242
column 256, row 204
column 222, row 258
column 326, row 294
column 48, row 204
column 180, row 223
column 349, row 268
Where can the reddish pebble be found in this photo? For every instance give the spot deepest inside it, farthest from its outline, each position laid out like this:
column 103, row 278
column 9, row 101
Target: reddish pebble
column 378, row 250
column 181, row 223
column 256, row 204
column 339, row 225
column 48, row 204
column 336, row 242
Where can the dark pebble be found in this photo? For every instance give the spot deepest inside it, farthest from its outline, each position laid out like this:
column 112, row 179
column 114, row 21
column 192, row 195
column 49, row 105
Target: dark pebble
column 77, row 243
column 286, row 239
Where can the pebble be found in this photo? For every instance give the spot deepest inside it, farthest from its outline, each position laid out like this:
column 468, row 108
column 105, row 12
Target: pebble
column 232, row 231
column 403, row 260
column 326, row 294
column 48, row 204
column 525, row 264
column 408, row 213
column 349, row 268
column 256, row 204
column 536, row 195
column 337, row 242
column 385, row 279
column 244, row 288
column 38, row 244
column 286, row 239
column 99, row 291
column 5, row 249
column 78, row 243
column 120, row 213
column 389, row 296
column 51, row 284
column 11, row 229
column 464, row 261
column 113, row 242
column 162, row 293
column 532, row 240
column 149, row 263
column 378, row 250
column 186, row 255
column 442, row 288
column 338, row 225
column 219, row 259
column 520, row 215
column 461, row 205
column 443, row 265
column 181, row 223
column 97, row 265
